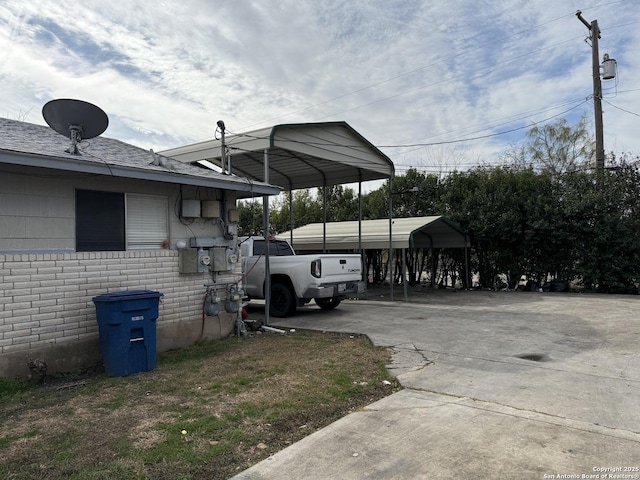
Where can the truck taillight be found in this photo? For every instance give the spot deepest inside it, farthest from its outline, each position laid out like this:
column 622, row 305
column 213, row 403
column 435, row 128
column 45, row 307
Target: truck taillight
column 316, row 268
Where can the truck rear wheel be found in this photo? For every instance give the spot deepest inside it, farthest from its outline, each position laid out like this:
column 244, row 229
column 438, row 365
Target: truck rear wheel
column 283, row 302
column 327, row 303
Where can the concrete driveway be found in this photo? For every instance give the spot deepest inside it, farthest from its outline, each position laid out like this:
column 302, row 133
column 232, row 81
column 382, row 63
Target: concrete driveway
column 507, row 385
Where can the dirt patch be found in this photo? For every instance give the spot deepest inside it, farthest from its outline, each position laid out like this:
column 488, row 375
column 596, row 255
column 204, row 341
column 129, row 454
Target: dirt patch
column 208, row 411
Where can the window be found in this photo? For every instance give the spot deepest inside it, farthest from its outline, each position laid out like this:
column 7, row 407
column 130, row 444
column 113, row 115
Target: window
column 147, row 222
column 99, row 221
column 277, row 248
column 111, row 221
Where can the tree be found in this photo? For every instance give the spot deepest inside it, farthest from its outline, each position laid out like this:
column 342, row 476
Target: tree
column 547, row 216
column 342, row 203
column 250, row 215
column 509, row 216
column 605, row 214
column 306, row 209
column 375, row 204
column 415, row 194
column 558, row 147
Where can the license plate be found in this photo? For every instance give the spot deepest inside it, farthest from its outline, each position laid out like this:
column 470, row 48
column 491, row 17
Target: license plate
column 342, row 287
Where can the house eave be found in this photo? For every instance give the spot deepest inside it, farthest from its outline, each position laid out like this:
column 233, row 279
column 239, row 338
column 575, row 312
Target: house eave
column 72, row 165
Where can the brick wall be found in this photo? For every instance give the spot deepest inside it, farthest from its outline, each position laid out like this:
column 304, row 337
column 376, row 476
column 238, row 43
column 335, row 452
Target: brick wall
column 46, row 306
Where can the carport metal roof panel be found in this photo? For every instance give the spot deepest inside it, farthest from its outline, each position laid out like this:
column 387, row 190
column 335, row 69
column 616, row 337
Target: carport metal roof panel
column 301, row 155
column 417, row 232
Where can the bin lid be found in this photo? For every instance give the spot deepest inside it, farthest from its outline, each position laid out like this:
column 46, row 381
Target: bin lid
column 127, row 295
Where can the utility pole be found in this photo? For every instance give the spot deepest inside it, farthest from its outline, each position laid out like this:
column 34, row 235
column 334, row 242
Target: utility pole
column 597, row 90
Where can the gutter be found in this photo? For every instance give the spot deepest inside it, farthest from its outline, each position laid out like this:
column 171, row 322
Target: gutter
column 111, row 170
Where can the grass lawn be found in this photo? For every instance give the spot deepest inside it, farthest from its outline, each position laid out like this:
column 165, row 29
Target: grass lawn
column 206, row 412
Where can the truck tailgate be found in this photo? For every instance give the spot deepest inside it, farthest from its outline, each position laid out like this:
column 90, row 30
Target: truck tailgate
column 337, row 268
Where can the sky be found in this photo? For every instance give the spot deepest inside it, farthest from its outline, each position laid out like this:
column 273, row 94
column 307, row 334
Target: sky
column 436, row 85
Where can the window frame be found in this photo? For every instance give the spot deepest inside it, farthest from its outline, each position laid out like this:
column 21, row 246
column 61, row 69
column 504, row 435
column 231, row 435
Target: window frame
column 103, row 221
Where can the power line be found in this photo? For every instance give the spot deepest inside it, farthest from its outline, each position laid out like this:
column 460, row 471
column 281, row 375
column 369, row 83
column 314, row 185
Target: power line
column 461, row 140
column 619, row 108
column 440, row 61
column 382, row 82
column 501, row 39
column 419, row 145
column 356, row 147
column 445, row 80
column 512, row 118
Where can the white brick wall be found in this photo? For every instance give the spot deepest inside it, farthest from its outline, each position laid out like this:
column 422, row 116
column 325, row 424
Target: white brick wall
column 46, row 307
column 46, row 299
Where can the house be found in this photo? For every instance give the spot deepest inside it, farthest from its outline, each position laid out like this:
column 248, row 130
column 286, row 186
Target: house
column 114, row 217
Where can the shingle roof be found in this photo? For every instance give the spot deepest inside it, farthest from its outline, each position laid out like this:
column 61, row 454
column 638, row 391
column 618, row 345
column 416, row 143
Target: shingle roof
column 24, row 143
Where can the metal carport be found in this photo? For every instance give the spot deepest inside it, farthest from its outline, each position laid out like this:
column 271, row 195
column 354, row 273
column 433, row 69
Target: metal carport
column 299, row 155
column 417, row 232
column 294, row 156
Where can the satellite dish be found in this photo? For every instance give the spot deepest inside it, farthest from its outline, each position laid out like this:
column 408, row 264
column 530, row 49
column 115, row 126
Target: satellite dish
column 76, row 119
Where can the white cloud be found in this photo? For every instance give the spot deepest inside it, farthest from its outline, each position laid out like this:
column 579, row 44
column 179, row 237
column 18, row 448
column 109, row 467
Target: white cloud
column 398, row 71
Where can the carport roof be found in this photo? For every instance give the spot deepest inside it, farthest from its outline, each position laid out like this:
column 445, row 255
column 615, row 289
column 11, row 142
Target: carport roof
column 417, row 232
column 301, row 155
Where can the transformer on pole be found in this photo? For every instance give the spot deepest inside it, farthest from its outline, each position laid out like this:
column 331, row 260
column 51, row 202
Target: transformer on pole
column 609, row 72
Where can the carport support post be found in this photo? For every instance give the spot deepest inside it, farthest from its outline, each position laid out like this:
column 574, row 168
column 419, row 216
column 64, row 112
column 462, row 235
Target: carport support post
column 291, row 216
column 265, row 229
column 434, row 266
column 324, row 216
column 390, row 239
column 404, row 274
column 360, row 251
column 467, row 273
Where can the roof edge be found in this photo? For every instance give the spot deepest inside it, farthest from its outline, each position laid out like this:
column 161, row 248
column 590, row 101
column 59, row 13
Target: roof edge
column 112, row 170
column 340, row 123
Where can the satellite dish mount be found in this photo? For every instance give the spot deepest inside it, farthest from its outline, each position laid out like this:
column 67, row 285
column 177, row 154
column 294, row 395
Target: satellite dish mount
column 75, row 132
column 75, row 119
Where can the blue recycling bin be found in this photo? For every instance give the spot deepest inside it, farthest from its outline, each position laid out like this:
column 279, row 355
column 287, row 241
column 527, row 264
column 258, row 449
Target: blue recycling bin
column 127, row 329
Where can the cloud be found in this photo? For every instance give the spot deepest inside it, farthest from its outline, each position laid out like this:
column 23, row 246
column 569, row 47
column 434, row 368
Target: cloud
column 398, row 71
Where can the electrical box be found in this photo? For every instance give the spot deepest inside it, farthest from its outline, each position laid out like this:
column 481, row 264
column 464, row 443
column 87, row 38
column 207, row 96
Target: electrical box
column 188, row 261
column 219, row 259
column 233, row 217
column 210, row 209
column 190, row 209
column 194, row 261
column 232, row 229
column 202, row 242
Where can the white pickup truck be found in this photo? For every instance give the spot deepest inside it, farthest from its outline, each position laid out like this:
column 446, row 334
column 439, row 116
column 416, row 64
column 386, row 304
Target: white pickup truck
column 296, row 279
